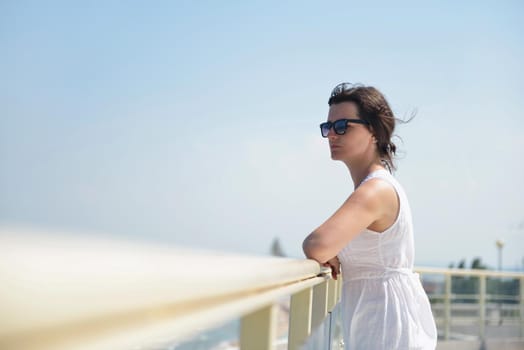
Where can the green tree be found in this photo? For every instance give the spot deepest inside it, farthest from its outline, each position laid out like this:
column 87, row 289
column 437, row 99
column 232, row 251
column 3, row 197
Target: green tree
column 461, row 264
column 465, row 285
column 276, row 249
column 477, row 264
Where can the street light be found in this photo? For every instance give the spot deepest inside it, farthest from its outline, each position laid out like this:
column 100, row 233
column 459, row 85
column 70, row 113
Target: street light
column 500, row 245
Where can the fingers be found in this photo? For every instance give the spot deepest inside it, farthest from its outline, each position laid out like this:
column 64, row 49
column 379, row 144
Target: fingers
column 334, row 272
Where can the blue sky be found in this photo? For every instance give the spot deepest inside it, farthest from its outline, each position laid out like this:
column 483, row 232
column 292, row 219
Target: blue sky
column 196, row 123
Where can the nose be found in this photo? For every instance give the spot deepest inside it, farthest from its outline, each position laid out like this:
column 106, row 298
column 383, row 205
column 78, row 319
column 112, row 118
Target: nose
column 331, row 133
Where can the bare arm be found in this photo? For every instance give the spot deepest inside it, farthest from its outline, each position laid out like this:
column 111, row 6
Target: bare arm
column 363, row 207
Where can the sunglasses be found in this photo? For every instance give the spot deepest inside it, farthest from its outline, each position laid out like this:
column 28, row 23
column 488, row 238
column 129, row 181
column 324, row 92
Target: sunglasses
column 339, row 126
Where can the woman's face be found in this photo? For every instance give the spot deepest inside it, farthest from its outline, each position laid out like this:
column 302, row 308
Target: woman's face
column 357, row 142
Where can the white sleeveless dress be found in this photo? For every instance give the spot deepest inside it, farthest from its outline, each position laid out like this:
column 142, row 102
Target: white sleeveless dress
column 383, row 303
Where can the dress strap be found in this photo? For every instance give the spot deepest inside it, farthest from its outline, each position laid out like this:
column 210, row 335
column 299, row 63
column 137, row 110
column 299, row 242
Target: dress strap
column 380, row 173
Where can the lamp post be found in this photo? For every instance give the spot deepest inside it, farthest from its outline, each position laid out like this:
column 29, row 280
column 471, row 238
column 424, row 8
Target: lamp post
column 500, row 245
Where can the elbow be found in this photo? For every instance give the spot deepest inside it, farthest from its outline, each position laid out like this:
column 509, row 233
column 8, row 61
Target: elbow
column 309, row 251
column 315, row 250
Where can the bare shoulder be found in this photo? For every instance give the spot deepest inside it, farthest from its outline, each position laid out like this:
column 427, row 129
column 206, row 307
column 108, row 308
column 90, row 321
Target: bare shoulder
column 375, row 193
column 383, row 200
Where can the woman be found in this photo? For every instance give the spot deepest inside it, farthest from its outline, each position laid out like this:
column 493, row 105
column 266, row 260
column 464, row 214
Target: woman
column 371, row 235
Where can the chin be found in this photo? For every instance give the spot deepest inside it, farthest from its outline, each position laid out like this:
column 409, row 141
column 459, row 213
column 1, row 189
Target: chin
column 338, row 157
column 334, row 157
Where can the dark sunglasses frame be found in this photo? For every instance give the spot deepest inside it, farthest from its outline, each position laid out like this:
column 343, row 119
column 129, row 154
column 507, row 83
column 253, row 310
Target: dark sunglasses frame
column 339, row 126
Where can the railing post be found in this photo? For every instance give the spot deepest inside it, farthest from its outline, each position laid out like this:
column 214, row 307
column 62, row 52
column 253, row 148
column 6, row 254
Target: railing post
column 521, row 304
column 331, row 302
column 335, row 287
column 340, row 285
column 319, row 311
column 329, row 334
column 300, row 318
column 447, row 306
column 258, row 329
column 482, row 306
column 332, row 294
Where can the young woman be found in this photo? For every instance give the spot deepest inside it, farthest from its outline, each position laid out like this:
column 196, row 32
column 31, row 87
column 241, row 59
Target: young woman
column 371, row 235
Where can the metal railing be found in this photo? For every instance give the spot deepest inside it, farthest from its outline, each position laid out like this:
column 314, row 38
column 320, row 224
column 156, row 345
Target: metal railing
column 77, row 292
column 472, row 300
column 73, row 292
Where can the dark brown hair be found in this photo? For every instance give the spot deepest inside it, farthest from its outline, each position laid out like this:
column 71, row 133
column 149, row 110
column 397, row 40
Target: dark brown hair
column 373, row 108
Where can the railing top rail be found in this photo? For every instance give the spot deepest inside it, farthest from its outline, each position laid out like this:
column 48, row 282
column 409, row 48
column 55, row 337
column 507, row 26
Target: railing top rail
column 468, row 272
column 52, row 279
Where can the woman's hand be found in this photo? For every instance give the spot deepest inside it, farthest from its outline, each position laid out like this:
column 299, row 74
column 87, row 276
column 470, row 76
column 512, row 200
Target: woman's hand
column 334, row 263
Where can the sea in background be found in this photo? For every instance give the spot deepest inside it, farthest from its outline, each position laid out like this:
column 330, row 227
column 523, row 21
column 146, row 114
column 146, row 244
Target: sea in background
column 223, row 337
column 226, row 336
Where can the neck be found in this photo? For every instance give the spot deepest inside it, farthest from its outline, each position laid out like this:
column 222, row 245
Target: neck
column 360, row 171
